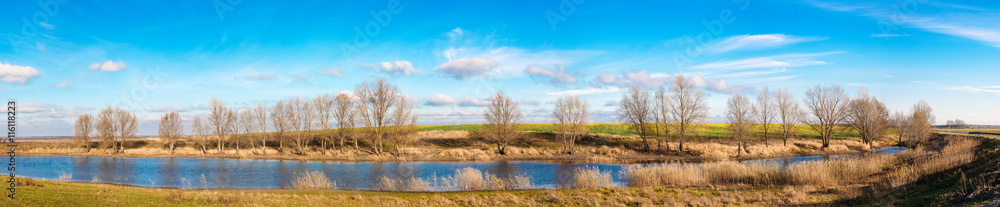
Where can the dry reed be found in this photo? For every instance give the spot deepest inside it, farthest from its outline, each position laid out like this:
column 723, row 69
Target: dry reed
column 591, row 178
column 312, row 180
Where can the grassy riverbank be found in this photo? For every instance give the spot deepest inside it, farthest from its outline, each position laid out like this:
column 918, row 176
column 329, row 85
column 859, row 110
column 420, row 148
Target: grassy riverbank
column 926, row 176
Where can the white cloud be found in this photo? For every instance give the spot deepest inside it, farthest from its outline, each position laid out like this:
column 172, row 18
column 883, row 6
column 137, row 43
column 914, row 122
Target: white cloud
column 552, row 76
column 332, row 72
column 349, row 94
column 473, row 102
column 978, row 89
column 775, row 61
column 397, row 68
column 717, row 85
column 16, row 73
column 441, row 100
column 261, row 77
column 586, row 91
column 530, row 102
column 465, row 68
column 47, row 25
column 752, row 42
column 950, row 19
column 83, row 108
column 457, row 32
column 108, row 66
column 642, row 78
column 63, row 84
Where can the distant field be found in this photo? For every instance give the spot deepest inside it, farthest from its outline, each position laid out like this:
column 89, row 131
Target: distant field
column 710, row 130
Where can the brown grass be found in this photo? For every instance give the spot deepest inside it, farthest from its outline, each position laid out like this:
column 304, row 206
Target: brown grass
column 312, row 180
column 591, row 178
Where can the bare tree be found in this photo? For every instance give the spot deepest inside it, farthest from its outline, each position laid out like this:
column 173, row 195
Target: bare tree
column 689, row 108
column 260, row 117
column 106, row 128
column 899, row 122
column 201, row 130
column 247, row 125
column 765, row 111
column 503, row 121
column 403, row 122
column 323, row 106
column 376, row 99
column 740, row 115
column 116, row 125
column 83, row 129
column 280, row 119
column 869, row 116
column 921, row 123
column 663, row 107
column 171, row 128
column 345, row 115
column 571, row 120
column 302, row 122
column 220, row 119
column 634, row 109
column 829, row 106
column 789, row 113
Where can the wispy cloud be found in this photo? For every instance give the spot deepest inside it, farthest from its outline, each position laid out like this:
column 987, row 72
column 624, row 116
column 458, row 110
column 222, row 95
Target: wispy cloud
column 586, row 91
column 261, row 77
column 396, row 68
column 950, row 19
column 776, row 61
column 552, row 76
column 441, row 100
column 981, row 89
column 756, row 42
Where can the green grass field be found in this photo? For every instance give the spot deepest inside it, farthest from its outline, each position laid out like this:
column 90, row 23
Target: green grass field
column 708, row 130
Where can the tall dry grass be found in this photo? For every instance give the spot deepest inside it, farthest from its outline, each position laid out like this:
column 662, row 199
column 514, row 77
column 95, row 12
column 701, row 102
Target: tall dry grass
column 895, row 169
column 591, row 178
column 312, row 180
column 465, row 179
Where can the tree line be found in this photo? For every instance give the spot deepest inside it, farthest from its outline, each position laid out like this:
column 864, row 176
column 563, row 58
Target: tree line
column 381, row 118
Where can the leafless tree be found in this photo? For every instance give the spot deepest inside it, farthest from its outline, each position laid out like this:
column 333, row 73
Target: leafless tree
column 571, row 120
column 345, row 115
column 765, row 111
column 201, row 130
column 302, row 122
column 220, row 119
column 900, row 122
column 323, row 106
column 828, row 105
column 116, row 125
column 280, row 122
column 921, row 123
column 689, row 108
column 789, row 113
column 171, row 128
column 247, row 124
column 503, row 121
column 260, row 117
column 376, row 100
column 868, row 116
column 740, row 114
column 403, row 122
column 634, row 109
column 83, row 129
column 663, row 107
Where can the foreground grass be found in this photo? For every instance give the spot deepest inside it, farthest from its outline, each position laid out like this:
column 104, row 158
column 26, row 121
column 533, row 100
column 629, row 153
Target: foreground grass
column 56, row 193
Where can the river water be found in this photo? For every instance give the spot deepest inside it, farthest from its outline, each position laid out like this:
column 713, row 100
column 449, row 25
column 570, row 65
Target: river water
column 275, row 174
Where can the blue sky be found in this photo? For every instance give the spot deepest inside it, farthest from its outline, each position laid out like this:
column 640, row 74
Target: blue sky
column 62, row 58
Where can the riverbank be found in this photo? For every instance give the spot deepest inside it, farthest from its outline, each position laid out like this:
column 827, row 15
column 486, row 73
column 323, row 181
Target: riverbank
column 445, row 146
column 932, row 175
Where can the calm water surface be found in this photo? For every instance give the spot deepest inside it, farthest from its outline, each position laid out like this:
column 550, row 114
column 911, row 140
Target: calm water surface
column 272, row 174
